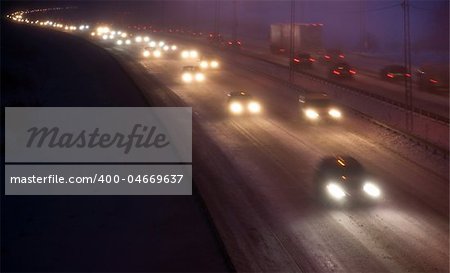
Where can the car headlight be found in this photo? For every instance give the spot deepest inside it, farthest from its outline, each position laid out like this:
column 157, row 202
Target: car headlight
column 157, row 53
column 335, row 113
column 166, row 48
column 128, row 42
column 174, row 47
column 187, row 77
column 236, row 108
column 138, row 39
column 311, row 114
column 152, row 44
column 204, row 64
column 146, row 39
column 193, row 54
column 146, row 53
column 214, row 64
column 335, row 191
column 119, row 42
column 372, row 189
column 185, row 54
column 254, row 107
column 199, row 77
column 161, row 43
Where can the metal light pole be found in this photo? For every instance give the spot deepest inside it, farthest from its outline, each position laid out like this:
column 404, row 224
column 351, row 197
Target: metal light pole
column 195, row 17
column 292, row 42
column 235, row 21
column 216, row 16
column 407, row 61
column 362, row 24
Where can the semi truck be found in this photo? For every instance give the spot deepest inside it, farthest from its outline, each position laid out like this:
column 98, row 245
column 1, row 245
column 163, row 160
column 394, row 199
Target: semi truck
column 307, row 38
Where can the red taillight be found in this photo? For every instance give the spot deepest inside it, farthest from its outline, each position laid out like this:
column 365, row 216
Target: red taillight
column 390, row 75
column 433, row 81
column 238, row 42
column 341, row 56
column 282, row 49
column 230, row 43
column 408, row 75
column 312, row 59
column 327, row 57
column 336, row 72
column 296, row 60
column 353, row 72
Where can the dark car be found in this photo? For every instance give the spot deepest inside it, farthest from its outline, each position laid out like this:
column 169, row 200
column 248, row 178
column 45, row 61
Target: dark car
column 434, row 78
column 242, row 103
column 342, row 71
column 333, row 55
column 302, row 60
column 318, row 106
column 340, row 178
column 394, row 72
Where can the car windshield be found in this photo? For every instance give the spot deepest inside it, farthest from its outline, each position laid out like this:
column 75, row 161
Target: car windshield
column 321, row 103
column 189, row 69
column 348, row 170
column 342, row 66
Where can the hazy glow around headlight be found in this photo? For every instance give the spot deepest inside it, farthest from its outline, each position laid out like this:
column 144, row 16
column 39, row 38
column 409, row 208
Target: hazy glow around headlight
column 193, row 54
column 146, row 53
column 204, row 64
column 174, row 47
column 152, row 44
column 119, row 42
column 335, row 113
column 166, row 47
column 236, row 108
column 199, row 77
column 128, row 42
column 371, row 189
column 214, row 64
column 335, row 191
column 311, row 114
column 138, row 39
column 157, row 53
column 254, row 107
column 187, row 77
column 184, row 54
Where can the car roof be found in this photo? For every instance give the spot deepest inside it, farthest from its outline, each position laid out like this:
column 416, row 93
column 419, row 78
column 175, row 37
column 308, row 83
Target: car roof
column 189, row 67
column 341, row 64
column 316, row 96
column 238, row 94
column 340, row 162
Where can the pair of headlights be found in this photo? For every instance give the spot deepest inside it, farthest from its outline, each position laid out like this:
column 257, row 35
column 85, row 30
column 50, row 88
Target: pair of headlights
column 313, row 114
column 155, row 53
column 213, row 64
column 237, row 107
column 189, row 54
column 337, row 192
column 189, row 77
